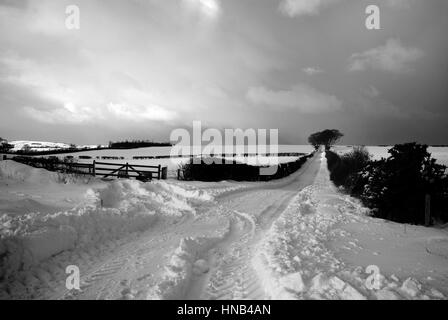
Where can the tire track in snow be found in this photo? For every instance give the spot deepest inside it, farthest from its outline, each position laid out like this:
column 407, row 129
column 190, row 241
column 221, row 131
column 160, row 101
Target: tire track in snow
column 231, row 274
column 121, row 271
column 100, row 284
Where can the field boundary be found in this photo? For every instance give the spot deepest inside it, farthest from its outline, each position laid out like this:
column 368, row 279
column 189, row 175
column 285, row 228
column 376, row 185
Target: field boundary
column 98, row 169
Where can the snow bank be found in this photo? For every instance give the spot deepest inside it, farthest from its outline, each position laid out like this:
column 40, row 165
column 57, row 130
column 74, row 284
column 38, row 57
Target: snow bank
column 194, row 195
column 15, row 171
column 22, row 173
column 159, row 196
column 294, row 261
column 294, row 250
column 123, row 207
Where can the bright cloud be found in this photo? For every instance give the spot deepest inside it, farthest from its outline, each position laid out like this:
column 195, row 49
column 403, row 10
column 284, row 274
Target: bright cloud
column 78, row 102
column 293, row 8
column 141, row 67
column 300, row 97
column 399, row 3
column 140, row 113
column 311, row 71
column 115, row 112
column 392, row 57
column 208, row 8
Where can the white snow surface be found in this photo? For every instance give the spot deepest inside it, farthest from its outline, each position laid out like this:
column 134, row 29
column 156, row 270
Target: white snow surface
column 27, row 175
column 38, row 145
column 45, row 145
column 295, row 238
column 297, row 258
column 121, row 208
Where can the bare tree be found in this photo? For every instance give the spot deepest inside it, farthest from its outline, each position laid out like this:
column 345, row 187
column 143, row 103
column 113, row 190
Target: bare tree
column 328, row 138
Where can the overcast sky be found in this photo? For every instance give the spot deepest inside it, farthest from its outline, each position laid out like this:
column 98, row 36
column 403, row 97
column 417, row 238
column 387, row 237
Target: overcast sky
column 139, row 68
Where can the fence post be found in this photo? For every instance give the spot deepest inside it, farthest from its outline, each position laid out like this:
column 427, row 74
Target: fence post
column 164, row 173
column 127, row 170
column 94, row 169
column 427, row 210
column 158, row 172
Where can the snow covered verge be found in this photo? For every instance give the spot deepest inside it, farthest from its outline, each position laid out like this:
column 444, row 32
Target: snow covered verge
column 24, row 174
column 37, row 246
column 295, row 260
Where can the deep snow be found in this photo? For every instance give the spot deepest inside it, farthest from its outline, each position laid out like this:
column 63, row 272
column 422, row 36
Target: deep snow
column 295, row 238
column 35, row 245
column 300, row 257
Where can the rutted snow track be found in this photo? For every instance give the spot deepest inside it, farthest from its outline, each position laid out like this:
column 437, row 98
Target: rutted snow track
column 196, row 246
column 104, row 282
column 251, row 213
column 295, row 238
column 231, row 276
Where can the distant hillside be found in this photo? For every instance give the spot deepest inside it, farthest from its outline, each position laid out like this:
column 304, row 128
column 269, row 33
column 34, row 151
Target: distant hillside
column 37, row 146
column 27, row 147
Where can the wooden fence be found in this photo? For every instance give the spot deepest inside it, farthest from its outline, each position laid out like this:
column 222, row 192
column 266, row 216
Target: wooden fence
column 98, row 169
column 139, row 172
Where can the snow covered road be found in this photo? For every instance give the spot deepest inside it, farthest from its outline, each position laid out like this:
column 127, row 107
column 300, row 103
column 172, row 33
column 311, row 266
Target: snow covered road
column 252, row 212
column 205, row 256
column 300, row 256
column 294, row 238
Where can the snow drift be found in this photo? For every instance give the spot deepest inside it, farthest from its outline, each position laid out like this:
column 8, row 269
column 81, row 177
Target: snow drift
column 122, row 207
column 21, row 173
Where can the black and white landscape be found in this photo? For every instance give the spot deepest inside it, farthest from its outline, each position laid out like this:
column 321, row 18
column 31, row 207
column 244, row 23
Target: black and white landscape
column 223, row 149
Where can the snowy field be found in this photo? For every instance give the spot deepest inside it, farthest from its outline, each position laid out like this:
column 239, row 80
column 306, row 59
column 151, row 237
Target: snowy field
column 439, row 153
column 166, row 151
column 294, row 238
column 44, row 146
column 174, row 163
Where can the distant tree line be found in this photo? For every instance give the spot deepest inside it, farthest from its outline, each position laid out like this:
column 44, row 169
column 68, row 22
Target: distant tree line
column 132, row 144
column 5, row 146
column 28, row 151
column 212, row 169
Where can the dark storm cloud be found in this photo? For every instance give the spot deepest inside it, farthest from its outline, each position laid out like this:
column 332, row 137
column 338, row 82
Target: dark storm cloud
column 140, row 68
